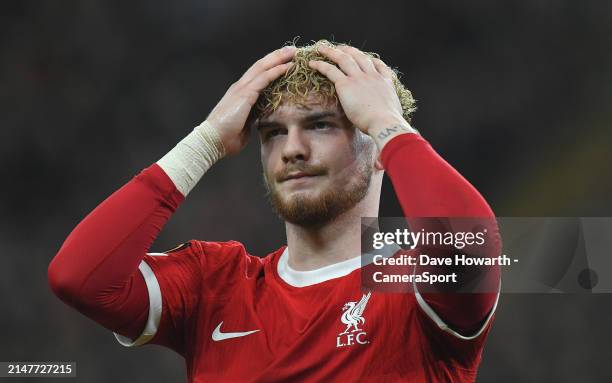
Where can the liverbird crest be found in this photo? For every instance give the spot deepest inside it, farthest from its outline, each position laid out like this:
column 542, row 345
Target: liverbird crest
column 353, row 314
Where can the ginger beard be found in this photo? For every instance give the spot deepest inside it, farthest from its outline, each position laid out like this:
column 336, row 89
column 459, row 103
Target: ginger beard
column 307, row 210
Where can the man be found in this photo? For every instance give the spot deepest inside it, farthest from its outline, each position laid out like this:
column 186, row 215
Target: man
column 330, row 119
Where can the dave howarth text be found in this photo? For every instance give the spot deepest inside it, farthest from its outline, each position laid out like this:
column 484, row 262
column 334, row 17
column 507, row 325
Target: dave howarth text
column 425, row 260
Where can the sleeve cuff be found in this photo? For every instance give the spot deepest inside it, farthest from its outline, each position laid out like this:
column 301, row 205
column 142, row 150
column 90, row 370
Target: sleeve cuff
column 155, row 308
column 398, row 143
column 443, row 326
column 156, row 178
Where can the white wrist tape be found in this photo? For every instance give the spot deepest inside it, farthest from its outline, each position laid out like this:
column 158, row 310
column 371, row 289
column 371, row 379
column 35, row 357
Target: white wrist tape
column 187, row 162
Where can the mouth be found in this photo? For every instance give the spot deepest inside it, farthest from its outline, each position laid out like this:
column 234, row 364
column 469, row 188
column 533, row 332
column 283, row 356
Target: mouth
column 299, row 176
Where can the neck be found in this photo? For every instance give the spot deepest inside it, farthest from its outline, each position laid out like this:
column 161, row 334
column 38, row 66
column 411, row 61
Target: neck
column 311, row 248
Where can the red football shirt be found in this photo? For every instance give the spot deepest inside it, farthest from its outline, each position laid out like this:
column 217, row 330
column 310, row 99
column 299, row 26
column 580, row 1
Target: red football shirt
column 237, row 317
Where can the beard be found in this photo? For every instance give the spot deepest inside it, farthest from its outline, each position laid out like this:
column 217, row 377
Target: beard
column 314, row 211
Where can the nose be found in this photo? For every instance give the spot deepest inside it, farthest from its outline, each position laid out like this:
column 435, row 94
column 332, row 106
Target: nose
column 296, row 147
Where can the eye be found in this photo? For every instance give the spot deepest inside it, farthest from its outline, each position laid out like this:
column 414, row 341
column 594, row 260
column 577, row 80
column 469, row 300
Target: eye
column 321, row 125
column 272, row 133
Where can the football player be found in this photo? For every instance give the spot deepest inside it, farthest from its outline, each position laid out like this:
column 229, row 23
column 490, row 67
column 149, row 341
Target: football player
column 331, row 119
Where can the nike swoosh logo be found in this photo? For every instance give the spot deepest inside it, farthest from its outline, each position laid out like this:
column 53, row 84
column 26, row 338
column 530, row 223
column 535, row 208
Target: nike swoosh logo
column 217, row 335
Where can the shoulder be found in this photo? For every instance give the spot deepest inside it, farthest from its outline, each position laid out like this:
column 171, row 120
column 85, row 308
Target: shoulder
column 229, row 256
column 213, row 259
column 211, row 255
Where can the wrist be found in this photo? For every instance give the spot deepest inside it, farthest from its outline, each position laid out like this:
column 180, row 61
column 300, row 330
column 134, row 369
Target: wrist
column 211, row 140
column 384, row 130
column 187, row 162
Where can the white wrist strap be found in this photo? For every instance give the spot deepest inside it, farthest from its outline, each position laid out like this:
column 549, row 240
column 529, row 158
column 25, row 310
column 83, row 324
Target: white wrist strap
column 187, row 162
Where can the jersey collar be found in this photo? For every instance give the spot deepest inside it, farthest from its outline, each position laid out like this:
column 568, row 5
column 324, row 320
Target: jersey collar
column 298, row 278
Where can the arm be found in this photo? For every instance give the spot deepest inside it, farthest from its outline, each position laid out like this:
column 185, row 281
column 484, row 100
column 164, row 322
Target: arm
column 427, row 186
column 96, row 271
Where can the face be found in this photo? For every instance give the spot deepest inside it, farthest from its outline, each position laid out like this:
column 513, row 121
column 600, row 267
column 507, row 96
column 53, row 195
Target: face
column 316, row 165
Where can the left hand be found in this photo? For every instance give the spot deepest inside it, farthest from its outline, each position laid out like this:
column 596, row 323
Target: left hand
column 364, row 86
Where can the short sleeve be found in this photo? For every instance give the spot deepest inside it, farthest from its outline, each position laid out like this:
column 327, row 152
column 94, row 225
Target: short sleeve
column 173, row 281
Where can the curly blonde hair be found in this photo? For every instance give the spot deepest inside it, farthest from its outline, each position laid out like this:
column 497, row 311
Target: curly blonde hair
column 301, row 81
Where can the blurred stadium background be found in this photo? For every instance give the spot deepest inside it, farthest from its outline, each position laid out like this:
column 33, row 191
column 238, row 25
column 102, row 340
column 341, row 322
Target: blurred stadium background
column 516, row 95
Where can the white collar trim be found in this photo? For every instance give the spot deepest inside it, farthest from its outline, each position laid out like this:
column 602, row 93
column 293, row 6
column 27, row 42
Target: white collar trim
column 298, row 278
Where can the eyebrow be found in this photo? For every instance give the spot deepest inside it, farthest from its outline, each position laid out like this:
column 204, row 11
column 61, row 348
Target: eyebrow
column 309, row 118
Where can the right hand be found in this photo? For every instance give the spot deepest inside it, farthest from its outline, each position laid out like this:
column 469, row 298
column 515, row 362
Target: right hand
column 230, row 115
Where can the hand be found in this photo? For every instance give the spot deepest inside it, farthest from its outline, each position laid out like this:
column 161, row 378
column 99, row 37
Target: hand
column 229, row 116
column 364, row 86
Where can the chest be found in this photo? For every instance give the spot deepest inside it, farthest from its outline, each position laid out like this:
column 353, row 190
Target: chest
column 292, row 332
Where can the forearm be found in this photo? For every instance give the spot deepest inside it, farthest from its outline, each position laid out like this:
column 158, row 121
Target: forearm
column 96, row 269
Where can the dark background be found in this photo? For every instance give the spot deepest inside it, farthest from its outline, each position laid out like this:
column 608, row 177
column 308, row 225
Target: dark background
column 515, row 94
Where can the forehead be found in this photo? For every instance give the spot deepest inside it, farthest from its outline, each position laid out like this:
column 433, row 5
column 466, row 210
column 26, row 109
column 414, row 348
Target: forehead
column 289, row 112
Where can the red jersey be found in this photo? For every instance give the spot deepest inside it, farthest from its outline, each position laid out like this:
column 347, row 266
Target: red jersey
column 237, row 317
column 240, row 318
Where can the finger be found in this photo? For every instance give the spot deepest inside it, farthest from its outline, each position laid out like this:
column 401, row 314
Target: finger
column 360, row 58
column 328, row 70
column 265, row 78
column 344, row 61
column 269, row 61
column 383, row 69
